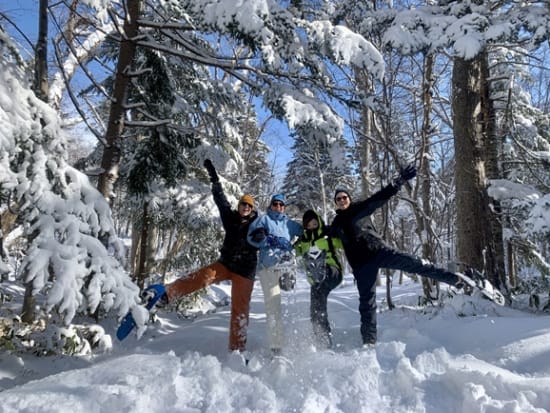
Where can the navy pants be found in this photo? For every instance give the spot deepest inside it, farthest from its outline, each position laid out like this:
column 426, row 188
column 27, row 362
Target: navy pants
column 366, row 282
column 318, row 306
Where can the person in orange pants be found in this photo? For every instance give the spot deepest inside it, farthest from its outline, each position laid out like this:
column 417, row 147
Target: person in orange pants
column 237, row 262
column 241, row 292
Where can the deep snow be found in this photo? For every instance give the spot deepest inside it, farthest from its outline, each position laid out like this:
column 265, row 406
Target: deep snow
column 466, row 356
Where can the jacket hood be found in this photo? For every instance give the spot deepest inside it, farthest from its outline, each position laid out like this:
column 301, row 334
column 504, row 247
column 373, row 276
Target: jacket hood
column 309, row 215
column 316, row 233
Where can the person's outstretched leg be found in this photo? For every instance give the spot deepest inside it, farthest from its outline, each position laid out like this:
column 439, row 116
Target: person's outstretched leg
column 202, row 278
column 269, row 279
column 319, row 305
column 241, row 292
column 398, row 260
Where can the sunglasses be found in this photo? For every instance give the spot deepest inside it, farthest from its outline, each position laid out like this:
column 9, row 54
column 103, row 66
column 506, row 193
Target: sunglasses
column 245, row 204
column 277, row 204
column 341, row 198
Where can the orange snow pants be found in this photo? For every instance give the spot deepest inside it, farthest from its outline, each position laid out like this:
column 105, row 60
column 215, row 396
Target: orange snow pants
column 241, row 292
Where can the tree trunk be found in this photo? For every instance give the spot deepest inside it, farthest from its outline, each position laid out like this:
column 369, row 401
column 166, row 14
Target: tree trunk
column 29, row 301
column 364, row 145
column 41, row 54
column 135, row 246
column 153, row 238
column 469, row 169
column 140, row 274
column 41, row 91
column 511, row 264
column 115, row 127
column 494, row 260
column 476, row 223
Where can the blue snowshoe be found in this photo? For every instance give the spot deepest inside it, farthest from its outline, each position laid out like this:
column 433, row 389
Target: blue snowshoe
column 150, row 296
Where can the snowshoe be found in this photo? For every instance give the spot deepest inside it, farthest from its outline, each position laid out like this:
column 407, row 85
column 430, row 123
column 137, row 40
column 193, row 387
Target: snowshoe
column 475, row 280
column 287, row 281
column 316, row 266
column 152, row 295
column 286, row 268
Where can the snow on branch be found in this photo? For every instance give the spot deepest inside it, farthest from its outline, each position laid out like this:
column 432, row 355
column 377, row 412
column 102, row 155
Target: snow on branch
column 347, row 47
column 304, row 113
column 64, row 215
column 525, row 197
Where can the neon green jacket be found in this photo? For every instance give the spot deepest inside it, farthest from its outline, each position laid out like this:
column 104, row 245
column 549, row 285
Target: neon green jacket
column 320, row 238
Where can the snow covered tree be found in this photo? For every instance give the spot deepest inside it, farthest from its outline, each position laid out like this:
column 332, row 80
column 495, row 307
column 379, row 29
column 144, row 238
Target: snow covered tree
column 214, row 61
column 277, row 56
column 470, row 29
column 313, row 175
column 525, row 148
column 62, row 214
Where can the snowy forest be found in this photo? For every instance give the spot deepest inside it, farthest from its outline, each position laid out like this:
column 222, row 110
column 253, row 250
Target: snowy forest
column 107, row 116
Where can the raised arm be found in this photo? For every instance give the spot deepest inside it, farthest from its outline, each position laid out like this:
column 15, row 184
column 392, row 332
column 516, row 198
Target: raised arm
column 217, row 191
column 377, row 200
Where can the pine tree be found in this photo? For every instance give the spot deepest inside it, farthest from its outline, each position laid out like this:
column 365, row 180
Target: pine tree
column 63, row 216
column 313, row 174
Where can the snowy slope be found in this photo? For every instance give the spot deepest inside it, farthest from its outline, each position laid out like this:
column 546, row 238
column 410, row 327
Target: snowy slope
column 469, row 356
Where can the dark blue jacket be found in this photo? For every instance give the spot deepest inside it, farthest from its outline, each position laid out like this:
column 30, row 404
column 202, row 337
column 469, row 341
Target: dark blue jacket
column 355, row 228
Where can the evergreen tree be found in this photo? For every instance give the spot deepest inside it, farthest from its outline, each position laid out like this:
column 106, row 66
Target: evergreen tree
column 469, row 29
column 63, row 216
column 313, row 174
column 524, row 189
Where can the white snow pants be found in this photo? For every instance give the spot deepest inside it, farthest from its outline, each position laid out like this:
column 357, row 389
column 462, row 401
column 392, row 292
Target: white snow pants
column 269, row 278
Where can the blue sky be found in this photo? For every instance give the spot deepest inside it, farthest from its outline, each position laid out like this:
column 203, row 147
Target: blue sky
column 24, row 13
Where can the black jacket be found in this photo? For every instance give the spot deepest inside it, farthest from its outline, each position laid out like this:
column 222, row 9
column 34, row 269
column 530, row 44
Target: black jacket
column 355, row 228
column 236, row 253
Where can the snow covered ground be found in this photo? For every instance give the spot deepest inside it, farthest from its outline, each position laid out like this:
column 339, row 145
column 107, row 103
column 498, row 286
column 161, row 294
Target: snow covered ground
column 468, row 356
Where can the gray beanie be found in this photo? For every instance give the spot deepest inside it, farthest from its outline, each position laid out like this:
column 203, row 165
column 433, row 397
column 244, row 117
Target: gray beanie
column 340, row 190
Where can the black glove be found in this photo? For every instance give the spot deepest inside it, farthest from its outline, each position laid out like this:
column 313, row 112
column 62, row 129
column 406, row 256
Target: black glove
column 405, row 174
column 408, row 173
column 211, row 171
column 278, row 242
column 258, row 235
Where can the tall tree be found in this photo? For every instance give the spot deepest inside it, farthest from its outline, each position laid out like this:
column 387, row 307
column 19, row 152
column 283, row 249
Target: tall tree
column 470, row 29
column 470, row 171
column 281, row 58
column 115, row 125
column 425, row 230
column 41, row 83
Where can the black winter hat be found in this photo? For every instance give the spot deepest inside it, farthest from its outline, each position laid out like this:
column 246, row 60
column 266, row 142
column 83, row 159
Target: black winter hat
column 339, row 190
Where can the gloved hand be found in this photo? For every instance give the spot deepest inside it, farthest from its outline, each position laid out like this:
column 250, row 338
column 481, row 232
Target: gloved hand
column 278, row 242
column 405, row 174
column 258, row 235
column 408, row 173
column 211, row 171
